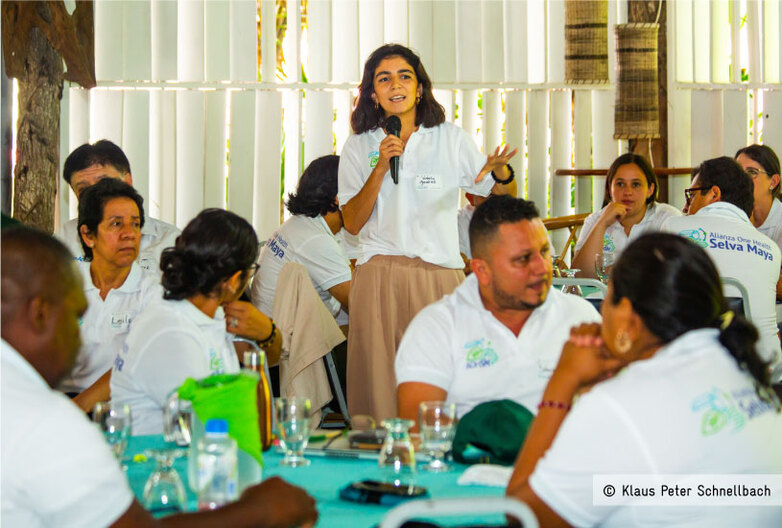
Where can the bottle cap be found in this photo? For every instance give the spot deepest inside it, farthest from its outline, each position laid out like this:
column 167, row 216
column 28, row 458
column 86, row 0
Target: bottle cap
column 216, row 426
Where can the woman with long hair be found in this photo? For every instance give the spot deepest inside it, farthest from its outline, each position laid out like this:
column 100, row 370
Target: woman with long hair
column 188, row 333
column 630, row 208
column 693, row 398
column 406, row 221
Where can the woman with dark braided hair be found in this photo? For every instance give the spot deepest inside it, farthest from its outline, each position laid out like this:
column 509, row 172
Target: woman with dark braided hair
column 188, row 333
column 693, row 398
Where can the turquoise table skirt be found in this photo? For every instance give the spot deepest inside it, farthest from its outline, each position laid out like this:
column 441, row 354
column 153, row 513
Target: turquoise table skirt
column 323, row 479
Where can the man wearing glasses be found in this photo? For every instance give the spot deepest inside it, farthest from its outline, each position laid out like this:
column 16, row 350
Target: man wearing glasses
column 719, row 203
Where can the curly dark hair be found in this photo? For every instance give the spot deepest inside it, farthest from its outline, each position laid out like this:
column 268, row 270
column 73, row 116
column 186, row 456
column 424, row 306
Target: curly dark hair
column 317, row 190
column 212, row 247
column 92, row 204
column 640, row 162
column 366, row 116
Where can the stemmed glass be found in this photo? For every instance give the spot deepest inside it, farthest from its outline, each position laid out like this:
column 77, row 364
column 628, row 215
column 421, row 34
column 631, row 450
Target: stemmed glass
column 164, row 492
column 570, row 273
column 604, row 262
column 114, row 422
column 293, row 426
column 437, row 423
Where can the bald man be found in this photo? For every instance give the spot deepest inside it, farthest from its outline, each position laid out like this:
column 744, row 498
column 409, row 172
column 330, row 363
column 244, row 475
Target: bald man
column 57, row 469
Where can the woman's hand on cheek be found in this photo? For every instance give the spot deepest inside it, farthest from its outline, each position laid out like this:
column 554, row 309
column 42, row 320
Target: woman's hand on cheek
column 585, row 359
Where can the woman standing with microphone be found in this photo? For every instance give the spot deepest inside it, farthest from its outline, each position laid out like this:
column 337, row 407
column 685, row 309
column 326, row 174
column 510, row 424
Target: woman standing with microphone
column 406, row 221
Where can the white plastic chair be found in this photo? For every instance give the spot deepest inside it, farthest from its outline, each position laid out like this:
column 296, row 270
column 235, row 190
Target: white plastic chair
column 735, row 283
column 445, row 507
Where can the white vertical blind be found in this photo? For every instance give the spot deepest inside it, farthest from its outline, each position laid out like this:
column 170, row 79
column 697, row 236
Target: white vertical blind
column 216, row 150
column 190, row 129
column 582, row 155
column 395, row 21
column 701, row 39
column 243, row 40
column 537, row 139
column 108, row 18
column 136, row 40
column 241, row 160
column 420, row 29
column 268, row 40
column 720, row 45
column 515, row 110
column 268, row 121
column 443, row 65
column 469, row 66
column 135, row 138
column 561, row 153
column 78, row 133
column 318, row 112
column 492, row 39
column 605, row 148
column 217, row 38
column 772, row 54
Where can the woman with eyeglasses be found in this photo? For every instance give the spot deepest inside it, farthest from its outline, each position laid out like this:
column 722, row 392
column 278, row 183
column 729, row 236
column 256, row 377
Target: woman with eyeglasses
column 762, row 164
column 630, row 208
column 670, row 386
column 189, row 333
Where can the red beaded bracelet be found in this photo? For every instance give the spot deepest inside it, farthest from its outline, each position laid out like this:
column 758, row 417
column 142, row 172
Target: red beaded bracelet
column 554, row 405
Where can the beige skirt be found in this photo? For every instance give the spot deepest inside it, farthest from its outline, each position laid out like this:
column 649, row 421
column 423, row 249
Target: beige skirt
column 385, row 294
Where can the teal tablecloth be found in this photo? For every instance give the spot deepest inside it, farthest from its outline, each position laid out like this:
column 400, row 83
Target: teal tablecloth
column 323, row 479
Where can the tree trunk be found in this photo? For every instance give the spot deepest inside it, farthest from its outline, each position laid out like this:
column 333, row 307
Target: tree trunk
column 38, row 133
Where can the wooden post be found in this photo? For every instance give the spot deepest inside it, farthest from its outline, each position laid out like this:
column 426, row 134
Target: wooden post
column 37, row 37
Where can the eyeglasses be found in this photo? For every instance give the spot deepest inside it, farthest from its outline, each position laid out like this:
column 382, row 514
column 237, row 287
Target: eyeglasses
column 689, row 193
column 753, row 172
column 253, row 269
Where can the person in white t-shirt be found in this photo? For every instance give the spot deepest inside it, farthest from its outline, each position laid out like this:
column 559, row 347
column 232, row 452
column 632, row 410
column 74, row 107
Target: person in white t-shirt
column 693, row 398
column 89, row 164
column 630, row 208
column 762, row 165
column 187, row 334
column 407, row 229
column 308, row 237
column 58, row 471
column 719, row 203
column 499, row 334
column 111, row 216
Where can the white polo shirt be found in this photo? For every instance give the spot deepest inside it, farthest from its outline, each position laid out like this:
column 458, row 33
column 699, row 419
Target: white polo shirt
column 58, row 471
column 156, row 236
column 349, row 243
column 465, row 215
column 417, row 217
column 686, row 410
column 170, row 342
column 615, row 240
column 739, row 251
column 772, row 227
column 105, row 325
column 308, row 241
column 458, row 345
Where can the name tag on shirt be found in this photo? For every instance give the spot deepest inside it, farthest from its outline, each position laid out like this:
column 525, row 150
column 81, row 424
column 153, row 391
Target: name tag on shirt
column 120, row 321
column 425, row 182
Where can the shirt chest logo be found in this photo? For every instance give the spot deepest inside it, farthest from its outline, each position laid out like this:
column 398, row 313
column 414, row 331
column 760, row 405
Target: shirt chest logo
column 216, row 363
column 608, row 244
column 374, row 156
column 722, row 410
column 480, row 353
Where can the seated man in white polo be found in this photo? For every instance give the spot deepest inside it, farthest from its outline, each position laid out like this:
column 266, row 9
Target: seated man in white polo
column 89, row 164
column 308, row 237
column 500, row 333
column 719, row 202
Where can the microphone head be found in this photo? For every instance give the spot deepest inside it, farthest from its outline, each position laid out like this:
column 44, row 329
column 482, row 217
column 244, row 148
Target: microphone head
column 393, row 125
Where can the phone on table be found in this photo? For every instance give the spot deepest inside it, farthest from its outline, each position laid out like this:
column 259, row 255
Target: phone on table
column 376, row 492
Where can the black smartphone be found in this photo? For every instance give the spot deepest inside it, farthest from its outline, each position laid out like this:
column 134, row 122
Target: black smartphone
column 375, row 492
column 371, row 440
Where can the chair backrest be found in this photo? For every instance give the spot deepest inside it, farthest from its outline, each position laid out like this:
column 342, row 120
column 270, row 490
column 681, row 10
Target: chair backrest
column 472, row 506
column 739, row 305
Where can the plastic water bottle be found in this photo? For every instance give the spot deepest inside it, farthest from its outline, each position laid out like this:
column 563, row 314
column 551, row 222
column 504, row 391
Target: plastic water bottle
column 216, row 453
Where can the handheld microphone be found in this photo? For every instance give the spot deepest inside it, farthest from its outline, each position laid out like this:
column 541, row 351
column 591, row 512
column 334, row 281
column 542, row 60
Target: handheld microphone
column 394, row 126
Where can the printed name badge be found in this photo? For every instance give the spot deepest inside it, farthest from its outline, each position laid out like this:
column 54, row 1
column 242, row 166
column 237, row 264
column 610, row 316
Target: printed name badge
column 425, row 182
column 120, row 321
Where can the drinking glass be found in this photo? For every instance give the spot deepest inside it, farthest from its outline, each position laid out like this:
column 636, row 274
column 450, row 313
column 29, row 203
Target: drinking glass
column 293, row 426
column 570, row 273
column 114, row 422
column 164, row 492
column 437, row 423
column 604, row 262
column 397, row 457
column 177, row 420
